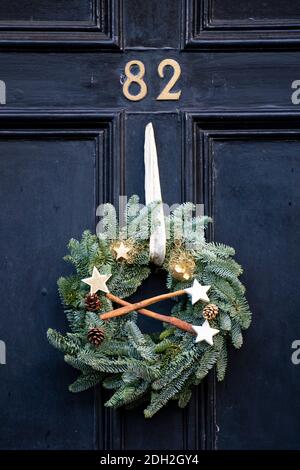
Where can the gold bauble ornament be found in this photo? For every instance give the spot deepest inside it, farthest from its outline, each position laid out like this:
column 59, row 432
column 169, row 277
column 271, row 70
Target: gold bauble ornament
column 182, row 266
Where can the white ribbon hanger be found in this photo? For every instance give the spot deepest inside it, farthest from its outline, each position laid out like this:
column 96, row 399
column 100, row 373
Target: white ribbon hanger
column 153, row 193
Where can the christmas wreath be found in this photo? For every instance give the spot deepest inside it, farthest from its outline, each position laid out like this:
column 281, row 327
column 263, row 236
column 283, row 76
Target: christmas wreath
column 106, row 344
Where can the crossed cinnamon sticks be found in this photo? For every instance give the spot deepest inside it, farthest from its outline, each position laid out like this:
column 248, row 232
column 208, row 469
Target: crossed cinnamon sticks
column 127, row 307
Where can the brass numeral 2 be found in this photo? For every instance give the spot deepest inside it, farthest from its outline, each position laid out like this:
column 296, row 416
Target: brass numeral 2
column 138, row 78
column 166, row 93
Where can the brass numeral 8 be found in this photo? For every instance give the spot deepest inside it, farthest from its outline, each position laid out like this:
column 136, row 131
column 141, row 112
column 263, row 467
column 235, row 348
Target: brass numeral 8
column 135, row 78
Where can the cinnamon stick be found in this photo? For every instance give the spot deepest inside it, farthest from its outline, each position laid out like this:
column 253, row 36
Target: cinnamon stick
column 182, row 325
column 140, row 305
column 122, row 302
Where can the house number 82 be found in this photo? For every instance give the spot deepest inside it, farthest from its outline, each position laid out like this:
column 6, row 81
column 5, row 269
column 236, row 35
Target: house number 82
column 138, row 78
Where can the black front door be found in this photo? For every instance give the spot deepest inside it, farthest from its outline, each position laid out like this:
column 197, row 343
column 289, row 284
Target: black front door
column 80, row 79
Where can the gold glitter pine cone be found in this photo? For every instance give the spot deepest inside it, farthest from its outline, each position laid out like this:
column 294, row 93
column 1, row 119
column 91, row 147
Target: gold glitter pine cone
column 210, row 311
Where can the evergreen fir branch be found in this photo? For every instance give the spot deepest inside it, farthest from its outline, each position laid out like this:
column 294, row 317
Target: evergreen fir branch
column 221, row 274
column 241, row 313
column 236, row 335
column 85, row 381
column 76, row 319
column 158, row 400
column 92, row 320
column 221, row 364
column 224, row 307
column 142, row 370
column 209, row 358
column 127, row 394
column 77, row 364
column 106, row 304
column 120, row 325
column 191, row 311
column 139, row 342
column 127, row 278
column 102, row 258
column 166, row 333
column 129, row 377
column 204, row 256
column 164, row 345
column 187, row 341
column 113, row 382
column 81, row 253
column 69, row 291
column 221, row 250
column 184, row 397
column 224, row 321
column 103, row 364
column 181, row 362
column 220, row 287
column 117, row 348
column 67, row 345
column 189, row 317
column 75, row 337
column 228, row 269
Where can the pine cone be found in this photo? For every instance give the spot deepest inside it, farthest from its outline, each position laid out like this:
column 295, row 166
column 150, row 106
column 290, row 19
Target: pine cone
column 210, row 311
column 96, row 336
column 92, row 303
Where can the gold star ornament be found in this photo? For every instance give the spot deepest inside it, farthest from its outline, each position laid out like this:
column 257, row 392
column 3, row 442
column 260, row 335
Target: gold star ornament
column 198, row 292
column 97, row 281
column 122, row 251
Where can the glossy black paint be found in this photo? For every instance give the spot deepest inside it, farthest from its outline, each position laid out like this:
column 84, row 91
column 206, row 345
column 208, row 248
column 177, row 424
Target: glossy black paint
column 69, row 139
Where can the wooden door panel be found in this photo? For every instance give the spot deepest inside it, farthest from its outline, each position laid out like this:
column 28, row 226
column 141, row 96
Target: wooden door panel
column 71, row 23
column 240, row 24
column 51, row 182
column 36, row 12
column 249, row 180
column 252, row 13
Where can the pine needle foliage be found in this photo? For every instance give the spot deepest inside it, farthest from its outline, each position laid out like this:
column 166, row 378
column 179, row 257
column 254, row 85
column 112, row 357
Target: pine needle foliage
column 159, row 367
column 85, row 381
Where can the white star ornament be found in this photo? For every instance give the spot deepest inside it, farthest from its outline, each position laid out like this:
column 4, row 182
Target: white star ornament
column 198, row 292
column 97, row 281
column 205, row 333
